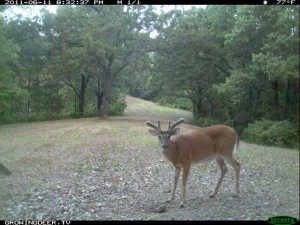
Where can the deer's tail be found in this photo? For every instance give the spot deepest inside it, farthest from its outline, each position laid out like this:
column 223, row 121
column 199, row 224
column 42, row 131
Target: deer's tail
column 236, row 145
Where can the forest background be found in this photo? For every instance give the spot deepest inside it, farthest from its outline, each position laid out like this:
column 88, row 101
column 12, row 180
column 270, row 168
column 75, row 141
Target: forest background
column 235, row 65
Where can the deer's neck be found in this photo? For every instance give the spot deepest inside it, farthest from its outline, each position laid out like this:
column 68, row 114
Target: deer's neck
column 168, row 153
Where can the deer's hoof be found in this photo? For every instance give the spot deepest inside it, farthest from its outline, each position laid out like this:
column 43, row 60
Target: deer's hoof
column 161, row 209
column 170, row 199
column 212, row 195
column 182, row 205
column 236, row 195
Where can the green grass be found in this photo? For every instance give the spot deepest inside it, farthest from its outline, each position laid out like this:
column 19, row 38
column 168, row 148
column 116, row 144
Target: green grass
column 138, row 108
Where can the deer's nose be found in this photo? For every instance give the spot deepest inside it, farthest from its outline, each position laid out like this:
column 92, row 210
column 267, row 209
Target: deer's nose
column 164, row 146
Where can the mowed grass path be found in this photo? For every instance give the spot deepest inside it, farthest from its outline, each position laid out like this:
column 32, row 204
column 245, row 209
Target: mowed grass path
column 141, row 109
column 114, row 169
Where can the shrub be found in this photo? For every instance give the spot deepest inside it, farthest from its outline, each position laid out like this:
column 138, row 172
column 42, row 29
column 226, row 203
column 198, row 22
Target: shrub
column 41, row 116
column 73, row 115
column 90, row 111
column 205, row 122
column 117, row 106
column 274, row 133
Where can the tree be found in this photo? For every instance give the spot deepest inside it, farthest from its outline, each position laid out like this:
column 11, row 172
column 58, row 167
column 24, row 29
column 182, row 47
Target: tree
column 190, row 58
column 270, row 56
column 279, row 60
column 32, row 61
column 71, row 61
column 10, row 93
column 115, row 40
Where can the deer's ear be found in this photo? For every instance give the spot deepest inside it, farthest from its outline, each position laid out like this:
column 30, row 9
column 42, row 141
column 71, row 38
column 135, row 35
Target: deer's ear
column 153, row 132
column 175, row 131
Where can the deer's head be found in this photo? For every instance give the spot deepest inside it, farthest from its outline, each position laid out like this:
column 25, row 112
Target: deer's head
column 164, row 136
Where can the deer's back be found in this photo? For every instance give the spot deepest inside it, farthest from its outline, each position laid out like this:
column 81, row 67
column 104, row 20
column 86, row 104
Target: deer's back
column 205, row 143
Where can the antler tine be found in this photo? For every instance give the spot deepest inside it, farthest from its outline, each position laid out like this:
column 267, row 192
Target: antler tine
column 171, row 127
column 153, row 126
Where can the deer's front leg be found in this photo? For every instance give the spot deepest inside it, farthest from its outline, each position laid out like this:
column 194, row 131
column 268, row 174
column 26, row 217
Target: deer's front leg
column 176, row 176
column 185, row 175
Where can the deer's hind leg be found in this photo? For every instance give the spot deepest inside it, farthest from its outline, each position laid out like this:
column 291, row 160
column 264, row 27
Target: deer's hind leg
column 237, row 167
column 223, row 168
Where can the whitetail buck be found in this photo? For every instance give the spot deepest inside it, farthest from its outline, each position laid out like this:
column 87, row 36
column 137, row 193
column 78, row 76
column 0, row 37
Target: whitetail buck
column 214, row 142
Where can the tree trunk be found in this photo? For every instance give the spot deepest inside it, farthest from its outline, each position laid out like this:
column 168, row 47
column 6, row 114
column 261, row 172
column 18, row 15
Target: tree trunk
column 75, row 102
column 198, row 109
column 105, row 105
column 276, row 99
column 288, row 96
column 28, row 101
column 81, row 95
column 106, row 95
column 295, row 101
column 99, row 100
column 57, row 99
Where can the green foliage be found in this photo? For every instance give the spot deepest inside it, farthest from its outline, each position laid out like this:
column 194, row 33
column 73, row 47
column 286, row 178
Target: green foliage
column 266, row 132
column 175, row 102
column 117, row 105
column 234, row 87
column 41, row 116
column 11, row 95
column 74, row 115
column 90, row 111
column 205, row 122
column 33, row 117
